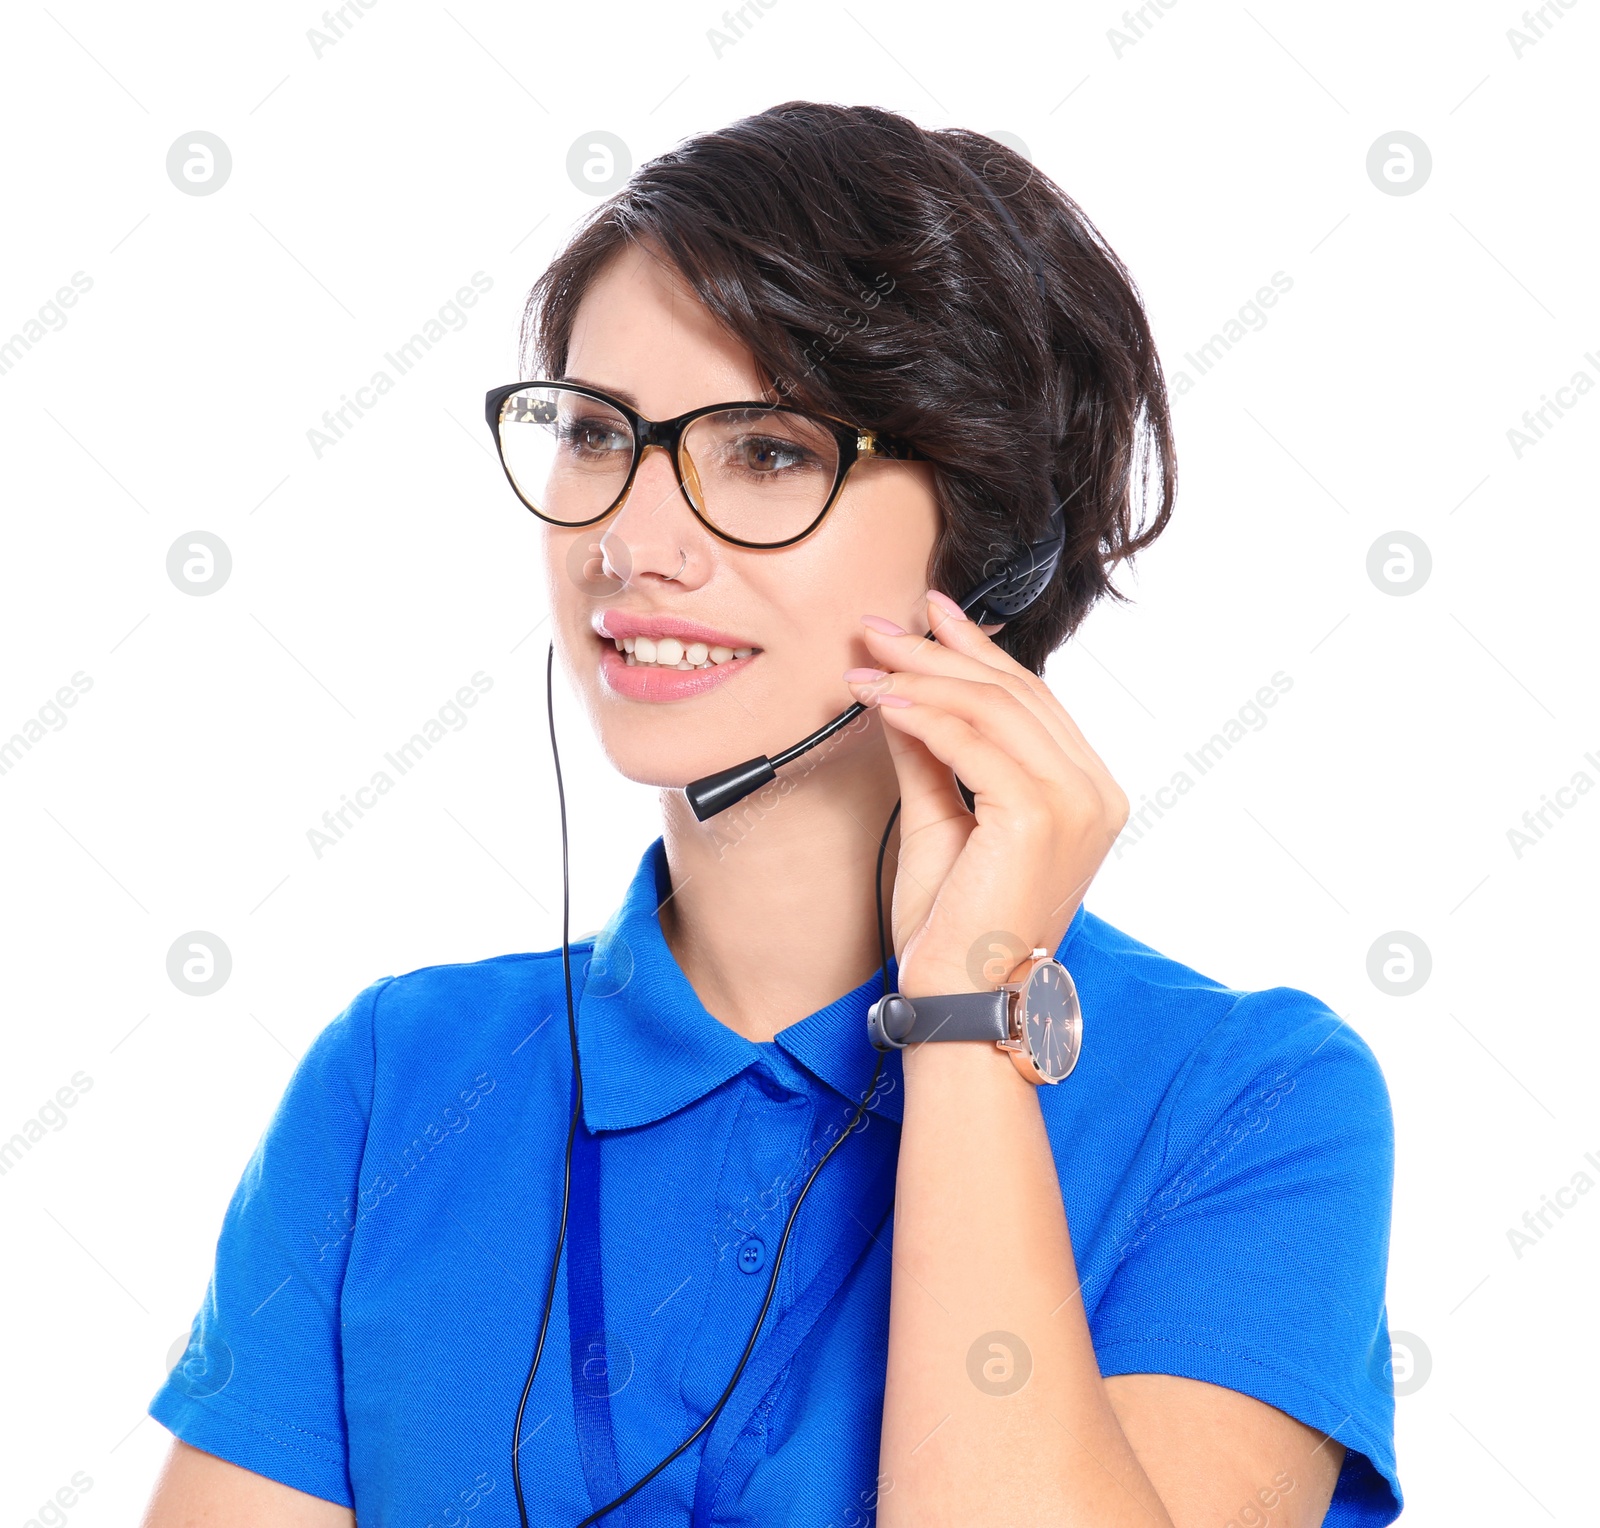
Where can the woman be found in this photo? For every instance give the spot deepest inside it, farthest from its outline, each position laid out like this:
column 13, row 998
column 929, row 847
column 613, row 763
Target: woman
column 1145, row 1288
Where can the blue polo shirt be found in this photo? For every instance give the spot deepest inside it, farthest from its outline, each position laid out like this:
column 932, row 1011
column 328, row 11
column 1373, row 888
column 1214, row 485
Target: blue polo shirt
column 1225, row 1160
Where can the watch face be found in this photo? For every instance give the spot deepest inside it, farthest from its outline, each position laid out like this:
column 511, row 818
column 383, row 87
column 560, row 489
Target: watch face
column 1052, row 1021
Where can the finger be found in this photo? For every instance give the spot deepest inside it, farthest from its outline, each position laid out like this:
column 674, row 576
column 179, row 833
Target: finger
column 1007, row 797
column 952, row 628
column 989, row 707
column 927, row 788
column 997, row 715
column 996, row 780
column 893, row 648
column 943, row 655
column 955, row 630
column 934, row 827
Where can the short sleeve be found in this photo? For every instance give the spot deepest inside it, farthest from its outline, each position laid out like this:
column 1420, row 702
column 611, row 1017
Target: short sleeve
column 260, row 1382
column 1258, row 1261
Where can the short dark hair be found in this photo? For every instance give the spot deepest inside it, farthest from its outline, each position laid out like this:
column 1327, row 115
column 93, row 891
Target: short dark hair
column 872, row 278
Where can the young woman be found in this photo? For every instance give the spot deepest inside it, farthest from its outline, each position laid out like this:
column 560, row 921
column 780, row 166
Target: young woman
column 793, row 395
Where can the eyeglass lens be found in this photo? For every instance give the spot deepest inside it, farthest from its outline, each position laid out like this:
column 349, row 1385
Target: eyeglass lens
column 758, row 475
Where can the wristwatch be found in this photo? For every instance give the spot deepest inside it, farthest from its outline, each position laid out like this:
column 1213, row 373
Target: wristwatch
column 1035, row 1017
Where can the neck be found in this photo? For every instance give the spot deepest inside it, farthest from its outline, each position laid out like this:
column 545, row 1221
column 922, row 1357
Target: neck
column 772, row 914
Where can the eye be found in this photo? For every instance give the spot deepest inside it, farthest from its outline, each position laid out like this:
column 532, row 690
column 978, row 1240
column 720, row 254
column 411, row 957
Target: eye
column 766, row 455
column 593, row 438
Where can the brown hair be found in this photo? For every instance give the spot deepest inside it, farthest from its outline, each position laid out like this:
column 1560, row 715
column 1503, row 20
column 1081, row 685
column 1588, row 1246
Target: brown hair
column 872, row 278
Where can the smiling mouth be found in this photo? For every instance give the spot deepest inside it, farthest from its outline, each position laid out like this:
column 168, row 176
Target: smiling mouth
column 673, row 653
column 669, row 642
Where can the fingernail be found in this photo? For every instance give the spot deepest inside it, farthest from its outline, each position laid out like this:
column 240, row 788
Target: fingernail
column 892, row 700
column 864, row 675
column 946, row 604
column 878, row 623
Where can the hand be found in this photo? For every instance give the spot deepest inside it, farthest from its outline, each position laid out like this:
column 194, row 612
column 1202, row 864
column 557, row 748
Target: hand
column 1048, row 810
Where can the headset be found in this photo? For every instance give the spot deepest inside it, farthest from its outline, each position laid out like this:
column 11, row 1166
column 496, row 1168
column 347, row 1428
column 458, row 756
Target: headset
column 1001, row 597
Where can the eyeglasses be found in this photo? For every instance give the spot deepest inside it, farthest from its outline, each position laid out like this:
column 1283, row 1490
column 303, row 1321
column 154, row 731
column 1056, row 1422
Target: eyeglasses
column 755, row 474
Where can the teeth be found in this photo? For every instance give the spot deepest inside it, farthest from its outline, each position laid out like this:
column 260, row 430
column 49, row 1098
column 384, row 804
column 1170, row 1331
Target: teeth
column 669, row 652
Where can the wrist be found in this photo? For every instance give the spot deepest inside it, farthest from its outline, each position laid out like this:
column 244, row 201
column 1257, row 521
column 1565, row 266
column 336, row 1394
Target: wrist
column 1034, row 1017
column 959, row 1067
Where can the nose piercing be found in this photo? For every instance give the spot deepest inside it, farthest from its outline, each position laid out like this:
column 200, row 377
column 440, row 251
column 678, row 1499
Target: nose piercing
column 682, row 565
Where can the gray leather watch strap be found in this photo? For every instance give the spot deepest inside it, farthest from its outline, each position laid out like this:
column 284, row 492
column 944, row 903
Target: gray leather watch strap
column 958, row 1016
column 961, row 1016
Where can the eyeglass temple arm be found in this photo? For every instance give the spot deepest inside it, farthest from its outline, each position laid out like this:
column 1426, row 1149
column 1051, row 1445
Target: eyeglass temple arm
column 871, row 443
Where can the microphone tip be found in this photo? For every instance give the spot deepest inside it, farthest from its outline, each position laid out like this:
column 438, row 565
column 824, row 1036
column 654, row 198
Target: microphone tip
column 716, row 793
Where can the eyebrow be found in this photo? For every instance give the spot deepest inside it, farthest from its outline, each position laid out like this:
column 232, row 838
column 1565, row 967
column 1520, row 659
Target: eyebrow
column 599, row 387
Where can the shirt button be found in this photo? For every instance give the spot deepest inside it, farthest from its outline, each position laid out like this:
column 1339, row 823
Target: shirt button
column 752, row 1255
column 772, row 1088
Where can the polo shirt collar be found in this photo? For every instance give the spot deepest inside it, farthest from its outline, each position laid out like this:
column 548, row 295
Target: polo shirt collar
column 647, row 1043
column 649, row 1047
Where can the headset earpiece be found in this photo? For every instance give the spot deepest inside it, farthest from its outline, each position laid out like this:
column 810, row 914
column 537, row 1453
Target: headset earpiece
column 1017, row 585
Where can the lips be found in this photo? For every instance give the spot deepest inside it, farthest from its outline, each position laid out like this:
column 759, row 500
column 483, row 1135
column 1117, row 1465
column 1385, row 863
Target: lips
column 648, row 681
column 666, row 658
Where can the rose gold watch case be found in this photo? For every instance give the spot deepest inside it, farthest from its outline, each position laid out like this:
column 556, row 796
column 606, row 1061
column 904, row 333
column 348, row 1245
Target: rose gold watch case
column 1016, row 1042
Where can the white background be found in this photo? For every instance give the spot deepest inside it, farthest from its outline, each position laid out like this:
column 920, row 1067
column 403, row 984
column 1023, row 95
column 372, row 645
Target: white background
column 427, row 144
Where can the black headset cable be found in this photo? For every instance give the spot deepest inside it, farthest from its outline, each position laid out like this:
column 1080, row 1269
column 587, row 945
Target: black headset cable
column 572, row 1127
